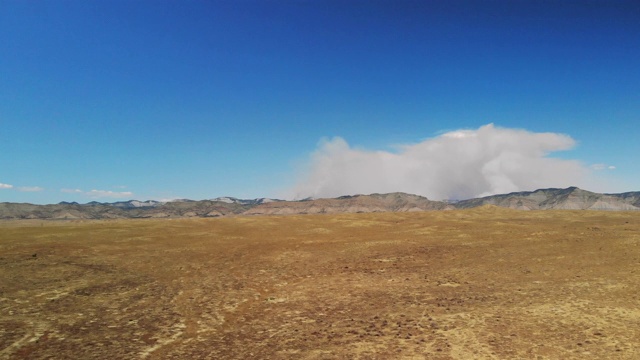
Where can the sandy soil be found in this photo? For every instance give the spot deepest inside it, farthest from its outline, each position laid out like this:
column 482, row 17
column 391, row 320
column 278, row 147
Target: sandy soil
column 475, row 284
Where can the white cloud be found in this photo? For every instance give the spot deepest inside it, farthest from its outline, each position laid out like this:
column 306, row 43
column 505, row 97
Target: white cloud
column 5, row 186
column 108, row 193
column 71, row 191
column 599, row 167
column 99, row 193
column 30, row 188
column 458, row 164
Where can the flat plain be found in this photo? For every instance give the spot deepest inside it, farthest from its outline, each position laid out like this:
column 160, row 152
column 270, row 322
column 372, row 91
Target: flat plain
column 484, row 283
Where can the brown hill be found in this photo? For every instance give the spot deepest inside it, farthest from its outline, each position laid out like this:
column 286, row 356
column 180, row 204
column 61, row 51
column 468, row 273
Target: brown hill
column 571, row 198
column 394, row 202
column 204, row 208
column 544, row 199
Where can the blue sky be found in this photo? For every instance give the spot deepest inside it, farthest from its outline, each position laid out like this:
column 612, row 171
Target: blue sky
column 112, row 100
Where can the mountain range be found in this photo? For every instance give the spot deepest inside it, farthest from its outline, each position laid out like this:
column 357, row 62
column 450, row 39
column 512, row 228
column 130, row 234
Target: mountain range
column 571, row 198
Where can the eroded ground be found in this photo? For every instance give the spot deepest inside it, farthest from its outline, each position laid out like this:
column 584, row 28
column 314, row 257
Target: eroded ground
column 474, row 284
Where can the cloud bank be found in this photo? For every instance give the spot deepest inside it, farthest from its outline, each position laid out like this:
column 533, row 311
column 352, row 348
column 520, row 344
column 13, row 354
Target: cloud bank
column 72, row 191
column 99, row 193
column 22, row 188
column 109, row 194
column 459, row 164
column 30, row 188
column 599, row 167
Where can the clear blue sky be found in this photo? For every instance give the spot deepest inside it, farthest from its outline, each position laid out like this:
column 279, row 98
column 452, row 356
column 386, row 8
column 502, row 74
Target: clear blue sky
column 199, row 99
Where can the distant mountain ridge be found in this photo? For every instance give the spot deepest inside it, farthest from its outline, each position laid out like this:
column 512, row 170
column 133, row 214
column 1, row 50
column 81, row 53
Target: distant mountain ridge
column 232, row 200
column 393, row 202
column 571, row 198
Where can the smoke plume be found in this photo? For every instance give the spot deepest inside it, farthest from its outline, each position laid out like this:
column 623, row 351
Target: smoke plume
column 459, row 164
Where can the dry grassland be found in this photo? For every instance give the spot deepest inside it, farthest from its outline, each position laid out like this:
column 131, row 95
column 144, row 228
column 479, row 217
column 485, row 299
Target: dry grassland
column 474, row 284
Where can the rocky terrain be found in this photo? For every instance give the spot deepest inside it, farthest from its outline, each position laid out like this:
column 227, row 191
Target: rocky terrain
column 544, row 199
column 394, row 202
column 94, row 210
column 571, row 198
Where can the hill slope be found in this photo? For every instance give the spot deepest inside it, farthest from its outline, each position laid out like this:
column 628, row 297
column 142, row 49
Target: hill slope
column 543, row 199
column 571, row 198
column 394, row 202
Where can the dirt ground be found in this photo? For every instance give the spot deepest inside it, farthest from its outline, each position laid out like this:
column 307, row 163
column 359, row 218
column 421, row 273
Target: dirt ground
column 485, row 283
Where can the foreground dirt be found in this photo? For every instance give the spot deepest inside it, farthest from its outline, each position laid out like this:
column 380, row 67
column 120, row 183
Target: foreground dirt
column 474, row 284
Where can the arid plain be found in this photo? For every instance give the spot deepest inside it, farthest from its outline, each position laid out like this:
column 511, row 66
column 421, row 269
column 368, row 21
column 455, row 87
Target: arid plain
column 484, row 283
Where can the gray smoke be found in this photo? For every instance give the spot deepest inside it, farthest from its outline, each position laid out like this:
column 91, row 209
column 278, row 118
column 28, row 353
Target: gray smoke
column 456, row 165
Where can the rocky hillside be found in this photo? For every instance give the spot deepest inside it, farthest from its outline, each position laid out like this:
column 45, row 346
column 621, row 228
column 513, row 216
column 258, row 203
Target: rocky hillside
column 394, row 202
column 569, row 199
column 94, row 210
column 562, row 199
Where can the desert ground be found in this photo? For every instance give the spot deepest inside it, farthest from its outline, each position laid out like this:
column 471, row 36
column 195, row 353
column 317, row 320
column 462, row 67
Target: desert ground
column 485, row 283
